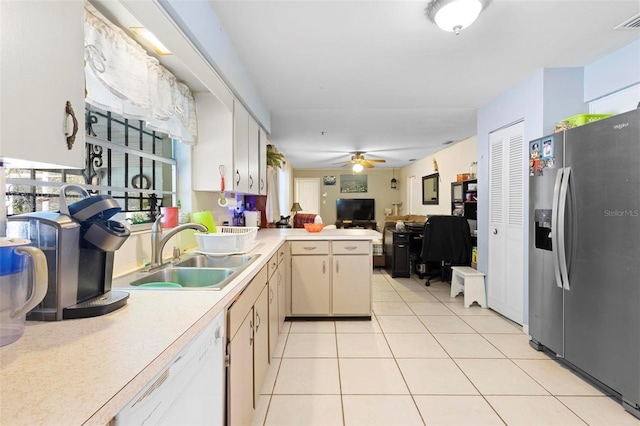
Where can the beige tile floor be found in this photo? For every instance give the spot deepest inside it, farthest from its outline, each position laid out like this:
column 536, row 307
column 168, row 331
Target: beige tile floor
column 423, row 359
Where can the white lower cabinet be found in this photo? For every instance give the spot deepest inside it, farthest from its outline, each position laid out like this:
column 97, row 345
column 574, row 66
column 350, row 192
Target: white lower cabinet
column 311, row 285
column 273, row 314
column 261, row 342
column 240, row 373
column 351, row 285
column 247, row 349
column 331, row 278
column 284, row 284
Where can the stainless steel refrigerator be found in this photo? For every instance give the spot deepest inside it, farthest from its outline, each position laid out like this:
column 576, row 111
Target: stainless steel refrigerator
column 584, row 251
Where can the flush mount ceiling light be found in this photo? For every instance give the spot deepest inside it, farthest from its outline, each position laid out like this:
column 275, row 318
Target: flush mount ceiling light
column 358, row 167
column 151, row 39
column 454, row 15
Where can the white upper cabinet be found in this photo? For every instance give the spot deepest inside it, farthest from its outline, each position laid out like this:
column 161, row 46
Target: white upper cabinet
column 254, row 157
column 263, row 162
column 229, row 139
column 42, row 51
column 240, row 148
column 249, row 160
column 215, row 145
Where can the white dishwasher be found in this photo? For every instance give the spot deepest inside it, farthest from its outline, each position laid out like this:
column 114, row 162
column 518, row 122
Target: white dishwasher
column 189, row 390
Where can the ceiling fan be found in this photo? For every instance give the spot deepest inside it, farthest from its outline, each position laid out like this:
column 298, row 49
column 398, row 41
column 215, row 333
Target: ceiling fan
column 358, row 161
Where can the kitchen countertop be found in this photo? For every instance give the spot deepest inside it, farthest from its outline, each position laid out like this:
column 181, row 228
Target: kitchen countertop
column 84, row 371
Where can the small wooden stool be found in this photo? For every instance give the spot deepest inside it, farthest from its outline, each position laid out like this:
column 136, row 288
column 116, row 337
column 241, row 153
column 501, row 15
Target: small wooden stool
column 471, row 282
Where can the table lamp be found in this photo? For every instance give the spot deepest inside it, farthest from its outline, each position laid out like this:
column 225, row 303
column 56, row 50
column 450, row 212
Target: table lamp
column 295, row 208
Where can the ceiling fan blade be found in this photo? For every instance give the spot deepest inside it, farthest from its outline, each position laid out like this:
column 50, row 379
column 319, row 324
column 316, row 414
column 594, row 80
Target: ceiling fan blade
column 376, row 160
column 367, row 164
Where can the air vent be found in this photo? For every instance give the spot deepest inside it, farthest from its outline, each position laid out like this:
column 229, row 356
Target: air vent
column 632, row 23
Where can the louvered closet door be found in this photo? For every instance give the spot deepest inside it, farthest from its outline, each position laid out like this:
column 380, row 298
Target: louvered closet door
column 507, row 172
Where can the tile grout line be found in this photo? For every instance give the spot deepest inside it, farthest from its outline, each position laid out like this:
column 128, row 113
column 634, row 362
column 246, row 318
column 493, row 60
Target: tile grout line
column 457, row 366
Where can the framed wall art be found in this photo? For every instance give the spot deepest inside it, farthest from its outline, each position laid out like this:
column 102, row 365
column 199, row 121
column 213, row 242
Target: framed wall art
column 353, row 183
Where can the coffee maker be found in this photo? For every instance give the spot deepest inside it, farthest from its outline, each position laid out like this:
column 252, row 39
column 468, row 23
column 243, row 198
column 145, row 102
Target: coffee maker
column 79, row 247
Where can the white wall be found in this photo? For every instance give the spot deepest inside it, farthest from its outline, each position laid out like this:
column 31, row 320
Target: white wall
column 378, row 186
column 547, row 96
column 200, row 23
column 452, row 161
column 616, row 71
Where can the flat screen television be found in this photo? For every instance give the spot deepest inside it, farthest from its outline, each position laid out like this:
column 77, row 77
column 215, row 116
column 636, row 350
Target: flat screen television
column 355, row 209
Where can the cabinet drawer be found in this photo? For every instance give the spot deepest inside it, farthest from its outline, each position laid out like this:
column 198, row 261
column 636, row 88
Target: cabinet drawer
column 309, row 247
column 272, row 266
column 351, row 247
column 245, row 300
column 282, row 252
column 401, row 237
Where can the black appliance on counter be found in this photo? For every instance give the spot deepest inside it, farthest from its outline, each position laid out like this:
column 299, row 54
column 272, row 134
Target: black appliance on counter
column 79, row 246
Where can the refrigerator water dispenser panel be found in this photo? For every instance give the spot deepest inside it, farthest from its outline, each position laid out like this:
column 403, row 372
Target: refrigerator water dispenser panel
column 543, row 229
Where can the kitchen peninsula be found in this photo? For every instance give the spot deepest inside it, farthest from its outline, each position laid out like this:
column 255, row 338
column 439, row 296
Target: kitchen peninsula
column 85, row 371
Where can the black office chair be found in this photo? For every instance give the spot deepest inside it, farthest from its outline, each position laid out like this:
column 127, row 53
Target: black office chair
column 446, row 243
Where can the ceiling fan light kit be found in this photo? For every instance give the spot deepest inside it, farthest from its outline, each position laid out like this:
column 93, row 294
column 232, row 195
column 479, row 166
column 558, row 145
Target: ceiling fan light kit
column 454, row 15
column 359, row 162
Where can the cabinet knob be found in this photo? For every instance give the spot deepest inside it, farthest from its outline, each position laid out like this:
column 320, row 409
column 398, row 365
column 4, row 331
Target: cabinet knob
column 250, row 181
column 237, row 177
column 495, row 231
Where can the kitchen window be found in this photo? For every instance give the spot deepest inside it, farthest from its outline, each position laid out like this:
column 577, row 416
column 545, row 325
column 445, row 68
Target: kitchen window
column 124, row 158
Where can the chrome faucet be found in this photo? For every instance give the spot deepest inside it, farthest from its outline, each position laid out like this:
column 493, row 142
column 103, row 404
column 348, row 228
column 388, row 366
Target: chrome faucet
column 158, row 239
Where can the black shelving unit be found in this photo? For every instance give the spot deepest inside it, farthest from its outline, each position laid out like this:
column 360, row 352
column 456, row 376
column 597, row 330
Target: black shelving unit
column 464, row 199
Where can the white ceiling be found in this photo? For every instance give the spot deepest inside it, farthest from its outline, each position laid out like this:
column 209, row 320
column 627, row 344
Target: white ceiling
column 378, row 76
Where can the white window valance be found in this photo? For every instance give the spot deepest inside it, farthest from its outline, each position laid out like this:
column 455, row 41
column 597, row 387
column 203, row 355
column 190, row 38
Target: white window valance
column 121, row 77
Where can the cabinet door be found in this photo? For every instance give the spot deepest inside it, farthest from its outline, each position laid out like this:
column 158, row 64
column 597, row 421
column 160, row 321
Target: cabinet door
column 282, row 294
column 351, row 285
column 240, row 148
column 42, row 45
column 274, row 325
column 240, row 374
column 310, row 285
column 400, row 260
column 261, row 341
column 262, row 166
column 215, row 144
column 254, row 157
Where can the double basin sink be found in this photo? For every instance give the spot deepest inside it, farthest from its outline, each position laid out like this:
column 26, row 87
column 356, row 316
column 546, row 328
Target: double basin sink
column 196, row 272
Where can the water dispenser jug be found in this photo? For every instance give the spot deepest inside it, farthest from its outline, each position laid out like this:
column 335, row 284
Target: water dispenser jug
column 20, row 267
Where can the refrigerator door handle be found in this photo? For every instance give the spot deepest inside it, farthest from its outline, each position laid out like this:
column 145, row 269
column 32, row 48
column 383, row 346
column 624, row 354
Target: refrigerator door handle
column 562, row 250
column 554, row 227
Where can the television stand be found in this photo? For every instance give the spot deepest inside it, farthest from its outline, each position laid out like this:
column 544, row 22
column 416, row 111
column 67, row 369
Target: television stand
column 366, row 224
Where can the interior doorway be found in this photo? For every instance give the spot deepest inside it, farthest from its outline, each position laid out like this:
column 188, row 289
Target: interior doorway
column 411, row 190
column 507, row 172
column 306, row 191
